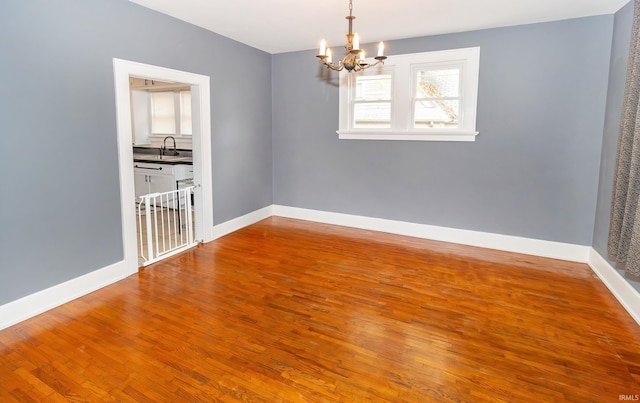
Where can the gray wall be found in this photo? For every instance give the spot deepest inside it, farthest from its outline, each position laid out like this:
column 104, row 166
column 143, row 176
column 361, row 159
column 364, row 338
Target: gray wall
column 60, row 213
column 617, row 76
column 532, row 172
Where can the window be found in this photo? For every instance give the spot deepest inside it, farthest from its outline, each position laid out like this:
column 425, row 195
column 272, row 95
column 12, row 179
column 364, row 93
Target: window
column 372, row 102
column 420, row 96
column 436, row 100
column 171, row 113
column 185, row 112
column 163, row 113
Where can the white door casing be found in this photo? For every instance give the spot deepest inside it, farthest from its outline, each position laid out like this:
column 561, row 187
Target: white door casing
column 202, row 175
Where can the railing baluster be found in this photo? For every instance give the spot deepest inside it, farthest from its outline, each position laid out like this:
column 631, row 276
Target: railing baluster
column 189, row 215
column 175, row 225
column 172, row 224
column 181, row 222
column 155, row 221
column 140, row 234
column 162, row 207
column 147, row 201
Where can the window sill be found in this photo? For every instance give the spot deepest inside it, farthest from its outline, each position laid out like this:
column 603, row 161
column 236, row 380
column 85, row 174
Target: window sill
column 440, row 135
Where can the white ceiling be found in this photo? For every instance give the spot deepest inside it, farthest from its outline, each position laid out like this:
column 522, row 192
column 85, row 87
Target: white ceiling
column 278, row 26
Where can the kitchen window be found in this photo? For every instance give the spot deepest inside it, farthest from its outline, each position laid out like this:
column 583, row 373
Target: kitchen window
column 171, row 113
column 428, row 96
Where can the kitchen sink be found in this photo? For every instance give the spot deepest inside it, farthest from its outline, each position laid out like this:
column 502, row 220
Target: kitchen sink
column 147, row 157
column 161, row 158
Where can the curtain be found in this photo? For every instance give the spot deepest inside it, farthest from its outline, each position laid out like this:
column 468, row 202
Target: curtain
column 624, row 230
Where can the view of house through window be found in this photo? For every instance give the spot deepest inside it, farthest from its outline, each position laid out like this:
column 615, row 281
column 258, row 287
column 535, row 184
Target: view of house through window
column 372, row 104
column 437, row 98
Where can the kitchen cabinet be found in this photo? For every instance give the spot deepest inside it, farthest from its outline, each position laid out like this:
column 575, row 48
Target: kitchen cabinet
column 183, row 171
column 158, row 178
column 152, row 178
column 140, row 181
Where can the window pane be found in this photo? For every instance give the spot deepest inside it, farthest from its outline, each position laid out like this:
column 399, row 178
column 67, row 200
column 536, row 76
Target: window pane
column 373, row 88
column 437, row 113
column 185, row 112
column 163, row 113
column 372, row 115
column 438, row 84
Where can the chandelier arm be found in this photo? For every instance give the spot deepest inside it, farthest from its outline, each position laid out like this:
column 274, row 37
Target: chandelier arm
column 351, row 61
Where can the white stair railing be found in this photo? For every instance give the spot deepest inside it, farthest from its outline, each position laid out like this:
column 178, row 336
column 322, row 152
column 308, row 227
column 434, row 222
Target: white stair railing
column 165, row 224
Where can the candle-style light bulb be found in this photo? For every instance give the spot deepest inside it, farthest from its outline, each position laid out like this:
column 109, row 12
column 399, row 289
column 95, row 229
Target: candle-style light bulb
column 356, row 42
column 328, row 56
column 381, row 49
column 323, row 48
column 362, row 56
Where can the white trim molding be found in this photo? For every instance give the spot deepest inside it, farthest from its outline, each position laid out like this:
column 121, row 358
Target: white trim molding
column 235, row 224
column 42, row 301
column 39, row 302
column 406, row 135
column 202, row 175
column 628, row 296
column 537, row 247
column 624, row 292
column 401, row 72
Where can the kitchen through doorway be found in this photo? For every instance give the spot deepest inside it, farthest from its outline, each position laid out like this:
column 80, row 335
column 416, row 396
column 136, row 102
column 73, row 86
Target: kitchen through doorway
column 181, row 166
column 162, row 167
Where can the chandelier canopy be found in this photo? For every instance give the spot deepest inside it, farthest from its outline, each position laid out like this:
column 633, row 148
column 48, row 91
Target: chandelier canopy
column 354, row 60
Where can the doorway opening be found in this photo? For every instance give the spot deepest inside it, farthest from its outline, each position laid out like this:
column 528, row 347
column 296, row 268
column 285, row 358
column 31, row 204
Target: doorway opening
column 162, row 167
column 198, row 84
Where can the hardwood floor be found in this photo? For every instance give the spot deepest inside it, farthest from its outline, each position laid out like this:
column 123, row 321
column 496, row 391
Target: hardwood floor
column 287, row 310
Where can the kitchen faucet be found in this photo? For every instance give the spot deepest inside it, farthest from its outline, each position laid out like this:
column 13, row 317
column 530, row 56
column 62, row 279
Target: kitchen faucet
column 164, row 146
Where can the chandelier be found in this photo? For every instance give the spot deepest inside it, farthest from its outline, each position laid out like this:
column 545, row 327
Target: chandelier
column 355, row 57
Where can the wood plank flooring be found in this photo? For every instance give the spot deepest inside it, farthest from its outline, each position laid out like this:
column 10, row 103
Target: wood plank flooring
column 288, row 310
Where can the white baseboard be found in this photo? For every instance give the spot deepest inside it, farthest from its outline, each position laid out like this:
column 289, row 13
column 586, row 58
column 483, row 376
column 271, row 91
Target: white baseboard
column 628, row 296
column 537, row 247
column 42, row 301
column 235, row 224
column 619, row 287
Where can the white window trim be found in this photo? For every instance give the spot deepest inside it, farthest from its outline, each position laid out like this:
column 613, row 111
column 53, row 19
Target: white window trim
column 402, row 97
